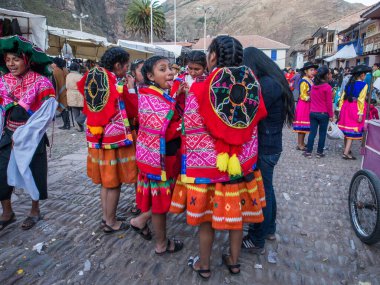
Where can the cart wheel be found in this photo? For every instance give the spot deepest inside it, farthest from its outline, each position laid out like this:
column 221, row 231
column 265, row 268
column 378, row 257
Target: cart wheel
column 364, row 206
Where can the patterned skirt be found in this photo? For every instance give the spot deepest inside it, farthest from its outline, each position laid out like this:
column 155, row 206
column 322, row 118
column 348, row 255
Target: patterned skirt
column 301, row 122
column 154, row 195
column 226, row 206
column 348, row 121
column 112, row 167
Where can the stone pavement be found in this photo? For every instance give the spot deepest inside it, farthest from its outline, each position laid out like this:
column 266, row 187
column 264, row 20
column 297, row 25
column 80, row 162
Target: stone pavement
column 315, row 242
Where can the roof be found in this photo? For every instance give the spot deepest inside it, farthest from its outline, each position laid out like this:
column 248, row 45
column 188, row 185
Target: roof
column 345, row 22
column 372, row 12
column 78, row 35
column 247, row 41
column 184, row 44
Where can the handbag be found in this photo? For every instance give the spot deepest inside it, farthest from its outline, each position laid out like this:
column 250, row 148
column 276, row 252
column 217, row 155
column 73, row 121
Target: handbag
column 333, row 132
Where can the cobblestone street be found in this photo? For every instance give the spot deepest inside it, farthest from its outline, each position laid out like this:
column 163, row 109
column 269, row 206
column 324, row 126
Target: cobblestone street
column 315, row 242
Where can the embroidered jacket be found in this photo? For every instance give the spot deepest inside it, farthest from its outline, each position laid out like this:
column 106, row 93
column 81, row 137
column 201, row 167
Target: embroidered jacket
column 158, row 123
column 29, row 91
column 199, row 150
column 305, row 87
column 359, row 93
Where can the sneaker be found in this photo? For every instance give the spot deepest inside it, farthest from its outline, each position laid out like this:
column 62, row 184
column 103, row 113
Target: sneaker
column 307, row 154
column 320, row 155
column 248, row 245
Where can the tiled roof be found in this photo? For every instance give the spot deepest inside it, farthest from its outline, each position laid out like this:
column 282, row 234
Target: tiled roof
column 247, row 41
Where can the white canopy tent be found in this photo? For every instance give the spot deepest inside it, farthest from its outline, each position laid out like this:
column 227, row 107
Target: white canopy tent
column 347, row 52
column 153, row 49
column 33, row 27
column 176, row 49
column 84, row 45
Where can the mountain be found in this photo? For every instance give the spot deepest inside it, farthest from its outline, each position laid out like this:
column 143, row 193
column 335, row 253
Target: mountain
column 287, row 21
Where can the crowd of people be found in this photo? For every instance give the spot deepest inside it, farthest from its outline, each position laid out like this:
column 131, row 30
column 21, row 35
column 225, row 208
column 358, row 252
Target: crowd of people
column 202, row 140
column 338, row 96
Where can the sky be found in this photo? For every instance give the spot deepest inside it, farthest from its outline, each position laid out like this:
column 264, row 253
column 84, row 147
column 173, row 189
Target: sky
column 365, row 2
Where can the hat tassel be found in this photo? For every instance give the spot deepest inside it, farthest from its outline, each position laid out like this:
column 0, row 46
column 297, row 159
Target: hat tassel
column 234, row 167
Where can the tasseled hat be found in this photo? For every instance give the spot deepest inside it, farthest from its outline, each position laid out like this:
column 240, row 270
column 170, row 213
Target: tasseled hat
column 230, row 112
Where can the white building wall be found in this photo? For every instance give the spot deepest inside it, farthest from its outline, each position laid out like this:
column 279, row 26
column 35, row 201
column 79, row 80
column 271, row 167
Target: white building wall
column 281, row 57
column 299, row 60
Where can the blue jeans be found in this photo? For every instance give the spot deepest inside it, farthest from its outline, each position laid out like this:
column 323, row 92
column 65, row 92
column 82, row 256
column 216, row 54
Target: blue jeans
column 258, row 232
column 320, row 120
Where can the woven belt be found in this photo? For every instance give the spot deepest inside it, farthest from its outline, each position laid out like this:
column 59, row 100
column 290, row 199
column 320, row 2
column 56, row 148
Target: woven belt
column 12, row 125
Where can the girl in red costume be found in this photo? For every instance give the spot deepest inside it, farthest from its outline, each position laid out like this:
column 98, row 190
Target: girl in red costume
column 219, row 186
column 111, row 151
column 157, row 146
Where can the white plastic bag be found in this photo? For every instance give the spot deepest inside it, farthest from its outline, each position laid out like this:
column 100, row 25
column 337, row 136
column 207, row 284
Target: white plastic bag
column 333, row 132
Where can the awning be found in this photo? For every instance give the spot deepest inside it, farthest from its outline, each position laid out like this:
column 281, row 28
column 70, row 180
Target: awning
column 176, row 49
column 148, row 48
column 84, row 45
column 346, row 52
column 33, row 27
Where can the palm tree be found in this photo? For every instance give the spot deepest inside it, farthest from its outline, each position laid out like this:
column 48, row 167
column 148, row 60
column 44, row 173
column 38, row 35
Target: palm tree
column 138, row 18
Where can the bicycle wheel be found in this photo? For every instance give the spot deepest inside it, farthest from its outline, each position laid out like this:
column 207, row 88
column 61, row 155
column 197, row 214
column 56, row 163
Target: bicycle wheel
column 363, row 202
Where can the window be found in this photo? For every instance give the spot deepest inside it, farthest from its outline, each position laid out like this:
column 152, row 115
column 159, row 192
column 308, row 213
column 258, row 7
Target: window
column 366, row 60
column 273, row 54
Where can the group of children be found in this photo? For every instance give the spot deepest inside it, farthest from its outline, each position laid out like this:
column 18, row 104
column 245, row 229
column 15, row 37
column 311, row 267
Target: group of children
column 352, row 107
column 189, row 143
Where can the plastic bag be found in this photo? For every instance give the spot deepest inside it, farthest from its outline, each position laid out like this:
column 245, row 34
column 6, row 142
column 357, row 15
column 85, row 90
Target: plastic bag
column 333, row 132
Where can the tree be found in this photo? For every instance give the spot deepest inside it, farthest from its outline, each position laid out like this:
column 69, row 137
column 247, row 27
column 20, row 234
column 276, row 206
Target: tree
column 138, row 18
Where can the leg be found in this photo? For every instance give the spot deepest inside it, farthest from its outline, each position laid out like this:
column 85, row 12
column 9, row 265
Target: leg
column 323, row 125
column 302, row 139
column 206, row 240
column 236, row 237
column 103, row 201
column 313, row 132
column 5, row 189
column 159, row 226
column 258, row 232
column 141, row 221
column 111, row 203
column 347, row 148
column 35, row 211
column 7, row 210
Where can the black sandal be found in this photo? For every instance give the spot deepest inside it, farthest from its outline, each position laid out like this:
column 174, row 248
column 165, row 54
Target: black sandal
column 109, row 230
column 4, row 224
column 119, row 219
column 346, row 157
column 147, row 236
column 178, row 245
column 135, row 211
column 230, row 267
column 30, row 222
column 192, row 261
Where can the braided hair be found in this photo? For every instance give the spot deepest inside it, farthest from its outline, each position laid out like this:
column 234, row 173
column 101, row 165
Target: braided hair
column 228, row 50
column 112, row 56
column 349, row 89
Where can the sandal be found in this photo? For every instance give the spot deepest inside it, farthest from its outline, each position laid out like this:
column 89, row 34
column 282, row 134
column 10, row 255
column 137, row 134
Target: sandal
column 301, row 149
column 178, row 245
column 30, row 222
column 4, row 224
column 135, row 211
column 192, row 261
column 230, row 267
column 346, row 157
column 119, row 219
column 109, row 230
column 146, row 236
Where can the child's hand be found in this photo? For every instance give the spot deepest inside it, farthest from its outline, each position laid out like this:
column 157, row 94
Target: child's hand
column 360, row 119
column 131, row 82
column 182, row 87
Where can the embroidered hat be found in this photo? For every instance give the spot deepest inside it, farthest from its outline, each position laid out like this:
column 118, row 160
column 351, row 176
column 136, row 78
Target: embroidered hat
column 231, row 111
column 37, row 59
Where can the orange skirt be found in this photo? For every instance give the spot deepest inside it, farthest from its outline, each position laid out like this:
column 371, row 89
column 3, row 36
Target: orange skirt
column 112, row 167
column 225, row 206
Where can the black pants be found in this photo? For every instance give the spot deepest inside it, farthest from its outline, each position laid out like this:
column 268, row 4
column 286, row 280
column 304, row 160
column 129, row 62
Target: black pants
column 38, row 166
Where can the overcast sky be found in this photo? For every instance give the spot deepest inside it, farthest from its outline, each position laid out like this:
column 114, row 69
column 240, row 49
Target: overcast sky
column 365, row 2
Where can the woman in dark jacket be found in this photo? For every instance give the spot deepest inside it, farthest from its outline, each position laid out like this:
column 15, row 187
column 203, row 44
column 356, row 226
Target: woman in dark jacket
column 279, row 103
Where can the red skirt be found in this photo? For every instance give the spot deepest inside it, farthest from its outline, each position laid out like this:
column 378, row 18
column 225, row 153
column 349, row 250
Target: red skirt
column 154, row 195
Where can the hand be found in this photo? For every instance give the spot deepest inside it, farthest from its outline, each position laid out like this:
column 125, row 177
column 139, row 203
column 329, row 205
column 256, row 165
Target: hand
column 131, row 82
column 331, row 119
column 182, row 87
column 360, row 119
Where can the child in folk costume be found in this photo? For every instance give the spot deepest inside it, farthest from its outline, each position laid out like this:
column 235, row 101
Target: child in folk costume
column 352, row 108
column 28, row 103
column 111, row 151
column 157, row 147
column 218, row 184
column 301, row 124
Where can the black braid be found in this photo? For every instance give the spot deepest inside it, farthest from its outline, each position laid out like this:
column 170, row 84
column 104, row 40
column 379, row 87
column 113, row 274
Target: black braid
column 228, row 50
